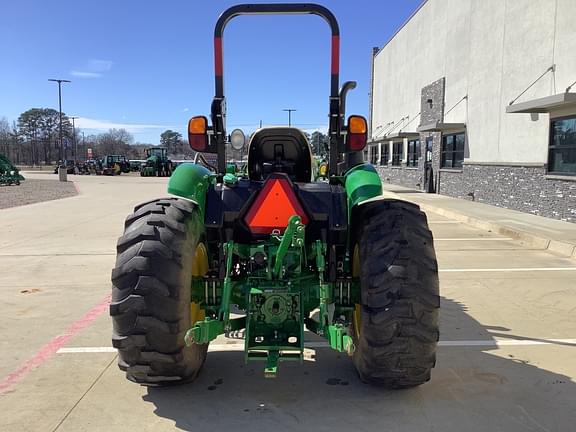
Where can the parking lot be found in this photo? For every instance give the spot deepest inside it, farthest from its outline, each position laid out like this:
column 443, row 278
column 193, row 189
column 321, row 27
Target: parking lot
column 505, row 362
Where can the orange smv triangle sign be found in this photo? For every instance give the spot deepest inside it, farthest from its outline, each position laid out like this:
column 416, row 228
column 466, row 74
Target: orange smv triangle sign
column 273, row 207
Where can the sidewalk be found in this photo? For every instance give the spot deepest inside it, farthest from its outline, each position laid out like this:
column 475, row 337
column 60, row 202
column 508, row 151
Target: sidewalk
column 556, row 236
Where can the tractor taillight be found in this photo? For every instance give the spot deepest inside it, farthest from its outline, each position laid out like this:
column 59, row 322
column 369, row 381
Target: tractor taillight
column 198, row 133
column 274, row 206
column 357, row 133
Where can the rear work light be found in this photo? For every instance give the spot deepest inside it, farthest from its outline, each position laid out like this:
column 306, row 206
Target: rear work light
column 273, row 207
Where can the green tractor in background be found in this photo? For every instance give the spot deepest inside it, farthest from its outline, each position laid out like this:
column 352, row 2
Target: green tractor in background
column 9, row 174
column 157, row 163
column 331, row 257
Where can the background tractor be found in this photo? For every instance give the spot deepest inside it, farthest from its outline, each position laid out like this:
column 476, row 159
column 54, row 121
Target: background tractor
column 329, row 257
column 114, row 165
column 69, row 164
column 157, row 163
column 9, row 174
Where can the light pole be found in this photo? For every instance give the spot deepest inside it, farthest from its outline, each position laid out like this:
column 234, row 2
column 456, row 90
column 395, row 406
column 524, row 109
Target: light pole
column 60, row 81
column 74, row 138
column 289, row 115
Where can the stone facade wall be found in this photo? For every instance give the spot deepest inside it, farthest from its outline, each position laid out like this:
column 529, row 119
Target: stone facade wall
column 431, row 110
column 408, row 177
column 436, row 154
column 432, row 102
column 523, row 188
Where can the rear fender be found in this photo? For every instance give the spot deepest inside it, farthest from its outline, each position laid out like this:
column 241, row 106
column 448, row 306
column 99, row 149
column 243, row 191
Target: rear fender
column 191, row 181
column 362, row 182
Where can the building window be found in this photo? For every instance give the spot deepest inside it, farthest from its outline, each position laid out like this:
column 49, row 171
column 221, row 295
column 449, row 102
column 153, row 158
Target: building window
column 413, row 153
column 384, row 153
column 397, row 149
column 452, row 151
column 374, row 154
column 562, row 150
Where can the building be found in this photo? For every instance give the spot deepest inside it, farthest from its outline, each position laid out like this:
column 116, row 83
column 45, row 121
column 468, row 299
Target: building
column 476, row 99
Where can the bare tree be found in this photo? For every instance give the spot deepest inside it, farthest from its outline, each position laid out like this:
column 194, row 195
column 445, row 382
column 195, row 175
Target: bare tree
column 115, row 141
column 5, row 139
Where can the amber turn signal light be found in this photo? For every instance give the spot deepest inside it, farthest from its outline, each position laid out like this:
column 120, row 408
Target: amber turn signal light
column 198, row 125
column 357, row 133
column 198, row 133
column 357, row 124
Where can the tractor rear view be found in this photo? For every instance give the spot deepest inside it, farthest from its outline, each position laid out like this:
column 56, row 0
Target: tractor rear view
column 329, row 257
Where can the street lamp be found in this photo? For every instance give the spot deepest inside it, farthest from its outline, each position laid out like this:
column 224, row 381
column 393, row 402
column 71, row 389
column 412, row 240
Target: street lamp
column 289, row 115
column 74, row 138
column 60, row 81
column 84, row 152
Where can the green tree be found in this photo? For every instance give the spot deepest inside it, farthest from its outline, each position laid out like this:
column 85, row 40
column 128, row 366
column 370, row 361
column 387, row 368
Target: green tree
column 29, row 126
column 40, row 129
column 172, row 140
column 319, row 143
column 49, row 132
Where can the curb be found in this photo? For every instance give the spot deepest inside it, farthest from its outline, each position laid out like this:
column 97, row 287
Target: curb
column 557, row 247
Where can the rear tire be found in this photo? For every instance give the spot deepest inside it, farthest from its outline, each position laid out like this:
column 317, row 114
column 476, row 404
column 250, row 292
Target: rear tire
column 397, row 327
column 150, row 306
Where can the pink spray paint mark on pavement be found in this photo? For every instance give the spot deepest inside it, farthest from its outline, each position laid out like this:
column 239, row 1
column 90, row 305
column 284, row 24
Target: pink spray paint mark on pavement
column 49, row 349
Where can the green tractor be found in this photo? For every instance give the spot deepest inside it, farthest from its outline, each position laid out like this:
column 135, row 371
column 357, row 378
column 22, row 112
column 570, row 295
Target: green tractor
column 157, row 163
column 296, row 256
column 9, row 174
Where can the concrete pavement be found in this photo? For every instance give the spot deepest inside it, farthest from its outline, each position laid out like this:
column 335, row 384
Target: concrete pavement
column 508, row 339
column 56, row 259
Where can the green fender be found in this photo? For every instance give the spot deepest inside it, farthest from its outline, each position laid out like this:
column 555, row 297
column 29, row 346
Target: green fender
column 361, row 182
column 191, row 181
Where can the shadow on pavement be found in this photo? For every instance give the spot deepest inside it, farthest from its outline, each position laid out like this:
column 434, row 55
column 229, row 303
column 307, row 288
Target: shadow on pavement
column 472, row 389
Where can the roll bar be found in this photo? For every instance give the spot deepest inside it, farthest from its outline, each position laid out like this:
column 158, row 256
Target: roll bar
column 218, row 110
column 281, row 9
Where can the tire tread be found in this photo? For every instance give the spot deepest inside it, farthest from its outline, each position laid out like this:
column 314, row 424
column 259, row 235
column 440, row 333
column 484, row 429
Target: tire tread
column 151, row 294
column 400, row 294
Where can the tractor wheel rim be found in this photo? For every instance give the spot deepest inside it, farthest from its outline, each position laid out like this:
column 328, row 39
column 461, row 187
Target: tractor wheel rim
column 200, row 261
column 199, row 269
column 357, row 314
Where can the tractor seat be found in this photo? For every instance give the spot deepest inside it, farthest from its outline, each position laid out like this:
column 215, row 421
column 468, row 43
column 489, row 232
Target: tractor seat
column 280, row 150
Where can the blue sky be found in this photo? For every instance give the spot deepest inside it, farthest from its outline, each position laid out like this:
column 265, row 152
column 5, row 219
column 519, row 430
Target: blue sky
column 147, row 66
